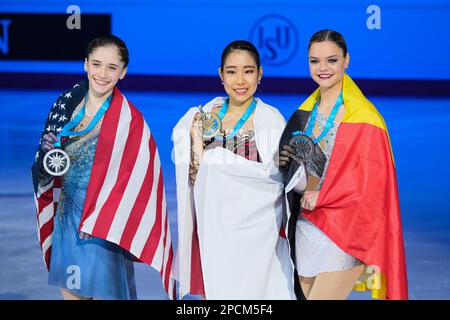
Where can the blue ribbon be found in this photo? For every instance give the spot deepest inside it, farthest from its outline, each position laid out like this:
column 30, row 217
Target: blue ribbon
column 67, row 129
column 241, row 121
column 328, row 125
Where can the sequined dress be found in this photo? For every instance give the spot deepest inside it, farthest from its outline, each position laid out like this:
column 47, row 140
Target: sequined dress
column 92, row 268
column 243, row 144
column 315, row 251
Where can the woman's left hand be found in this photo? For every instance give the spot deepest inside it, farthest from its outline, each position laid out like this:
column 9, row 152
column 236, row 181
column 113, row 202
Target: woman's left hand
column 285, row 155
column 309, row 200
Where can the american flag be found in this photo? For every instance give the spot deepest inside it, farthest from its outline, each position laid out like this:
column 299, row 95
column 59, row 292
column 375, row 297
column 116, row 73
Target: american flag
column 125, row 201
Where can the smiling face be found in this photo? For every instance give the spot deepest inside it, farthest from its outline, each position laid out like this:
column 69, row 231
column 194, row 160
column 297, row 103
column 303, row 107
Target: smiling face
column 327, row 63
column 104, row 68
column 240, row 76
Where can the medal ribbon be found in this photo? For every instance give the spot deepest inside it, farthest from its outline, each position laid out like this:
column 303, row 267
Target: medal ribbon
column 330, row 121
column 67, row 129
column 241, row 121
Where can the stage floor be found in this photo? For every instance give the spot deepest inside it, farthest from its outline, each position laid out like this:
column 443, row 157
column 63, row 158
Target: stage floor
column 418, row 130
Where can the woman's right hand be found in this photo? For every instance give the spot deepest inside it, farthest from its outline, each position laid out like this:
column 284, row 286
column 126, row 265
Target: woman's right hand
column 195, row 130
column 49, row 140
column 286, row 155
column 196, row 148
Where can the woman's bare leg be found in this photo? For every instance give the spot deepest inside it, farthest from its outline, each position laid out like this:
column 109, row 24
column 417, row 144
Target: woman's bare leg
column 67, row 295
column 335, row 285
column 306, row 285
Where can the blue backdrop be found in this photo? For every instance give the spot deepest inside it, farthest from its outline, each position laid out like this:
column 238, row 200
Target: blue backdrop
column 398, row 39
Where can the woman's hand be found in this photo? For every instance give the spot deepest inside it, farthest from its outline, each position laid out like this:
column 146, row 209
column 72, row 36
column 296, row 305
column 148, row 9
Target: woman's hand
column 196, row 127
column 309, row 200
column 196, row 148
column 85, row 236
column 284, row 159
column 49, row 140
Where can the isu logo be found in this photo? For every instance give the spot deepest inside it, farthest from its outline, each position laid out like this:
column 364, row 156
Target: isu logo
column 276, row 39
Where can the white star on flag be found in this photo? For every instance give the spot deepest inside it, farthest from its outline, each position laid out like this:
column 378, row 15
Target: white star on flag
column 62, row 118
column 68, row 95
column 36, row 156
column 55, row 116
column 58, row 129
column 62, row 106
column 49, row 128
column 77, row 85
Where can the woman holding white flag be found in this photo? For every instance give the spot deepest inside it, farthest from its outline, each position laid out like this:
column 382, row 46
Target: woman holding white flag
column 230, row 194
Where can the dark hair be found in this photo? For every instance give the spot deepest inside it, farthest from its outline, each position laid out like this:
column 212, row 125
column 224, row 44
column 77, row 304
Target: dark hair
column 240, row 45
column 109, row 40
column 329, row 35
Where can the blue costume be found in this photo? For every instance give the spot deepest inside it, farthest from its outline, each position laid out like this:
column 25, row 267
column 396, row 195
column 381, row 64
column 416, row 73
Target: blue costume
column 92, row 268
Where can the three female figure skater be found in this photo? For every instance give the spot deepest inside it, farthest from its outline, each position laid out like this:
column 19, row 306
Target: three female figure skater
column 342, row 195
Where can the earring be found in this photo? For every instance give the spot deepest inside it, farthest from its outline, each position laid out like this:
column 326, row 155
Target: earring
column 223, row 83
column 259, row 82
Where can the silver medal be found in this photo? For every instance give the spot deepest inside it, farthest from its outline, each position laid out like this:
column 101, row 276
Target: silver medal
column 304, row 148
column 56, row 162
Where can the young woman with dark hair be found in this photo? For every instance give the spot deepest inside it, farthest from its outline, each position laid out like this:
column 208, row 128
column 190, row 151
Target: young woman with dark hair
column 96, row 187
column 341, row 186
column 231, row 242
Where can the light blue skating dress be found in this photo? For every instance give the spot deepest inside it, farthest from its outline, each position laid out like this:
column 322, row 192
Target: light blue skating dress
column 91, row 268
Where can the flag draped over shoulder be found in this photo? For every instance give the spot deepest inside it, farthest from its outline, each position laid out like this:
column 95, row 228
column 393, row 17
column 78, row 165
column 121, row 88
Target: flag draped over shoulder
column 358, row 204
column 125, row 201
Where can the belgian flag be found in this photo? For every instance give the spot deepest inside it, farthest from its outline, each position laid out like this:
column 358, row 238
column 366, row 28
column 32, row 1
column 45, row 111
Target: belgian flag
column 358, row 204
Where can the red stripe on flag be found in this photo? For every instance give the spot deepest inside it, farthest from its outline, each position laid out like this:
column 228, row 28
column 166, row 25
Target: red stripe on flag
column 196, row 286
column 163, row 268
column 168, row 269
column 129, row 157
column 155, row 235
column 45, row 231
column 141, row 202
column 103, row 154
column 165, row 238
column 45, row 199
column 166, row 265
